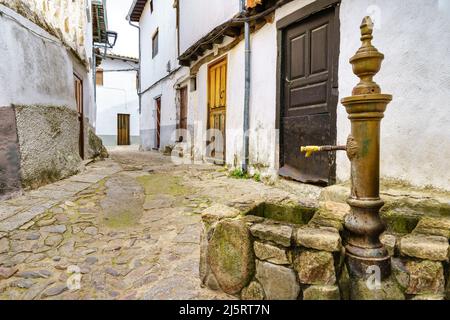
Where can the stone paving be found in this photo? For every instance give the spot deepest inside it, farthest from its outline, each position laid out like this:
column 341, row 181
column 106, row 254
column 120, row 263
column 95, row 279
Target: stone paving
column 125, row 228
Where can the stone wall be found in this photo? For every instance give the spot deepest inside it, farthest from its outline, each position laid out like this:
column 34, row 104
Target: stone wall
column 48, row 141
column 9, row 154
column 257, row 258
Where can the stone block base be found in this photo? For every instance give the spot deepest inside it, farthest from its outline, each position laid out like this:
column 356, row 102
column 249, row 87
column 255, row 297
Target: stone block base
column 261, row 258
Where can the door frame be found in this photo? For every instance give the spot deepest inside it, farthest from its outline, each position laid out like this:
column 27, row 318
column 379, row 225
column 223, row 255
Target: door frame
column 217, row 61
column 284, row 23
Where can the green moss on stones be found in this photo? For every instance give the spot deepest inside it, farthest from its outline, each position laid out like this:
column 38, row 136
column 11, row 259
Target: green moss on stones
column 125, row 219
column 160, row 183
column 401, row 224
column 96, row 146
column 230, row 255
column 43, row 177
column 289, row 212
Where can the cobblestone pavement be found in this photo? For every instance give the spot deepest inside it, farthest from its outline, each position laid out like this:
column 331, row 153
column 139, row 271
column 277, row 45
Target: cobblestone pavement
column 125, row 228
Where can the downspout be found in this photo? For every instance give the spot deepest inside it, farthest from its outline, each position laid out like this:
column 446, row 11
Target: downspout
column 246, row 127
column 139, row 71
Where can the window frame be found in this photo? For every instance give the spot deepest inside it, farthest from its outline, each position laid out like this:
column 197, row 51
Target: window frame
column 155, row 43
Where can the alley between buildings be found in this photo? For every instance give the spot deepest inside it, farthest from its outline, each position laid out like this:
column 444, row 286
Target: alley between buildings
column 126, row 228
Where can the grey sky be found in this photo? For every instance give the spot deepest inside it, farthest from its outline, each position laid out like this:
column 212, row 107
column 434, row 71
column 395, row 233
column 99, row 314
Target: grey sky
column 127, row 41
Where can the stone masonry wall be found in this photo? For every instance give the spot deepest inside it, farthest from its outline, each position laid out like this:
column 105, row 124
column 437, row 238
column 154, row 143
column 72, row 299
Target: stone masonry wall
column 9, row 154
column 256, row 258
column 48, row 141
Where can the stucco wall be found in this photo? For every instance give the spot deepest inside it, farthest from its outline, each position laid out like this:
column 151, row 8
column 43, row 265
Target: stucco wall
column 37, row 75
column 415, row 131
column 166, row 90
column 117, row 95
column 41, row 72
column 64, row 19
column 263, row 136
column 198, row 17
column 162, row 19
column 157, row 81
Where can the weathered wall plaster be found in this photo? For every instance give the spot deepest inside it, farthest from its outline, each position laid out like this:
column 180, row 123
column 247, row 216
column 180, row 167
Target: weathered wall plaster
column 415, row 133
column 64, row 19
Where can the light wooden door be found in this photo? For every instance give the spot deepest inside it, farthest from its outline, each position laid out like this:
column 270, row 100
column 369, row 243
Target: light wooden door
column 123, row 129
column 217, row 106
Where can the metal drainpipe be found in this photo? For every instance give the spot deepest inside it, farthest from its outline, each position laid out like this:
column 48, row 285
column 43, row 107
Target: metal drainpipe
column 139, row 71
column 246, row 128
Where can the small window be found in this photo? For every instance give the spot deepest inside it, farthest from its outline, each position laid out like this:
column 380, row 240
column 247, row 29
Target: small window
column 99, row 77
column 155, row 44
column 151, row 6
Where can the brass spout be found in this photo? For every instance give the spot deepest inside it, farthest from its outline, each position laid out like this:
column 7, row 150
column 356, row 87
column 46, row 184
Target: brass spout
column 309, row 150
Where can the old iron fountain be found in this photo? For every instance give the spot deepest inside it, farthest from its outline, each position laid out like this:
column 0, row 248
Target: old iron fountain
column 365, row 108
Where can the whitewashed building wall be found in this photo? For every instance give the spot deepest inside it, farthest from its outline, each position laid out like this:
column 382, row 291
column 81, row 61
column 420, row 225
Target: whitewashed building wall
column 157, row 80
column 117, row 95
column 415, row 131
column 43, row 44
column 198, row 17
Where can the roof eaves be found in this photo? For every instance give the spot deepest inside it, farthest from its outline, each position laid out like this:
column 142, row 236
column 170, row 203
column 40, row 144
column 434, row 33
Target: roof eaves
column 136, row 9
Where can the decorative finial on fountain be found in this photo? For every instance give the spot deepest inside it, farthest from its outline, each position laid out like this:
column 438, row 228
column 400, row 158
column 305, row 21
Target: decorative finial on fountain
column 367, row 61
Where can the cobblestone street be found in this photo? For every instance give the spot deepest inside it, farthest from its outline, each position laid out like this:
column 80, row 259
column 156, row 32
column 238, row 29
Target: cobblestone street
column 129, row 225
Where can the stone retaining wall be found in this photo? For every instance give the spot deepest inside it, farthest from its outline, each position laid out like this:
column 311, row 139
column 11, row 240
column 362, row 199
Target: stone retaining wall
column 257, row 258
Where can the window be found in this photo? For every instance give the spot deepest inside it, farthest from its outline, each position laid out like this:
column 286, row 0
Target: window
column 137, row 81
column 155, row 44
column 99, row 77
column 151, row 6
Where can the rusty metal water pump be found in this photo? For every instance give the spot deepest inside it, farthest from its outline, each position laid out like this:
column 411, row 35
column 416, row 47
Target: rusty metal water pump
column 365, row 108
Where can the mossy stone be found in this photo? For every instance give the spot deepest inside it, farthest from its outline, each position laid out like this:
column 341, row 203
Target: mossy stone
column 321, row 293
column 230, row 255
column 253, row 292
column 388, row 290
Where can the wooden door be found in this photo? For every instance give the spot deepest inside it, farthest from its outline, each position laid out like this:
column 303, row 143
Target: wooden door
column 123, row 129
column 183, row 108
column 158, row 123
column 309, row 97
column 217, row 102
column 78, row 83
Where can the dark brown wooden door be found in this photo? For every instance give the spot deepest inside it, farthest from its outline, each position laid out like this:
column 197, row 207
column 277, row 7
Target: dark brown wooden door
column 309, row 97
column 158, row 123
column 123, row 129
column 183, row 108
column 79, row 101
